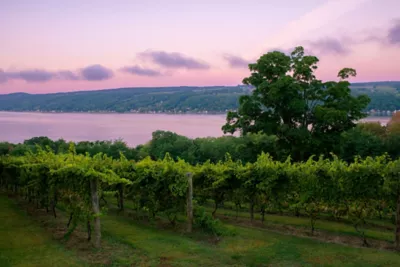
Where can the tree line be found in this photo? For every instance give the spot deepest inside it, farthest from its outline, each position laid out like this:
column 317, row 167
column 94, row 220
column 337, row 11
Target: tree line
column 183, row 99
column 385, row 96
column 365, row 139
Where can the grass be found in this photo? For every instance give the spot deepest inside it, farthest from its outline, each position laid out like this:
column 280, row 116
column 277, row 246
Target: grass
column 130, row 243
column 338, row 228
column 250, row 247
column 25, row 244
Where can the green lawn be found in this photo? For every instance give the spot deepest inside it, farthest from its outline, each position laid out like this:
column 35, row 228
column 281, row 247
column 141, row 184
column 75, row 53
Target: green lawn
column 250, row 247
column 23, row 243
column 338, row 228
column 304, row 222
column 128, row 243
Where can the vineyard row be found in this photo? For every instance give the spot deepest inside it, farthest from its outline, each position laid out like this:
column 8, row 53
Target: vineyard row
column 359, row 190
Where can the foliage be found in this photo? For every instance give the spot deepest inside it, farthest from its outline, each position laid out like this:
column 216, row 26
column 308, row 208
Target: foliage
column 362, row 184
column 360, row 141
column 206, row 222
column 288, row 101
column 24, row 243
column 216, row 181
column 385, row 96
column 375, row 128
column 200, row 150
column 366, row 139
column 163, row 142
column 160, row 186
column 359, row 189
column 47, row 178
column 215, row 99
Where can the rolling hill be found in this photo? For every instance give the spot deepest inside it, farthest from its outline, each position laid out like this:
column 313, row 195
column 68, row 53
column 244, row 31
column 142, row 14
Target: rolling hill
column 385, row 97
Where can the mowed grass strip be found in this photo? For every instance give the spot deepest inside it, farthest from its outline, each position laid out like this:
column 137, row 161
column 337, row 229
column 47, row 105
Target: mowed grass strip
column 334, row 227
column 24, row 243
column 249, row 247
column 338, row 228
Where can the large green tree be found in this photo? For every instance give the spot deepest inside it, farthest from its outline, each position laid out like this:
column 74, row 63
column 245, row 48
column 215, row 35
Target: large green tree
column 290, row 102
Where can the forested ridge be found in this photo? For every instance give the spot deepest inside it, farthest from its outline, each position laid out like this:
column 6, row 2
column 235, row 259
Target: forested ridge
column 217, row 99
column 385, row 96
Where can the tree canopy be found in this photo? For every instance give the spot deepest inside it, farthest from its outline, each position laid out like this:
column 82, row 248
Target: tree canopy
column 291, row 103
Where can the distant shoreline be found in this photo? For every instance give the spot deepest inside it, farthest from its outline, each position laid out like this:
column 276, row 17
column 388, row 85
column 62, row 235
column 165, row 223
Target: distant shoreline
column 117, row 113
column 145, row 113
column 214, row 100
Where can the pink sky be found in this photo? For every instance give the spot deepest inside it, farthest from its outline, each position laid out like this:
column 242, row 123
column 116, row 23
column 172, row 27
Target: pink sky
column 52, row 46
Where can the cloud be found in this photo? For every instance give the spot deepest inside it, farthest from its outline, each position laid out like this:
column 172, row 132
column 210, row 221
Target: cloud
column 382, row 36
column 394, row 34
column 286, row 51
column 137, row 70
column 3, row 76
column 33, row 75
column 327, row 12
column 329, row 46
column 68, row 75
column 174, row 60
column 236, row 61
column 90, row 73
column 96, row 73
column 37, row 75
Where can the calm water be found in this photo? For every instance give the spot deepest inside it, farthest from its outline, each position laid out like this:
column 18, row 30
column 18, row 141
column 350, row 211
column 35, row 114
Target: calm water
column 135, row 129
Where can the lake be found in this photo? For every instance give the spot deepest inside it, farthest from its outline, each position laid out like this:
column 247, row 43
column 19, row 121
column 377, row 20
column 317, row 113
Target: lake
column 134, row 129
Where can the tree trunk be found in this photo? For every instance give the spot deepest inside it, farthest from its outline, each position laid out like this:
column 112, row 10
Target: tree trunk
column 312, row 220
column 53, row 208
column 296, row 212
column 397, row 233
column 53, row 204
column 215, row 208
column 96, row 211
column 29, row 196
column 89, row 231
column 363, row 237
column 121, row 196
column 189, row 205
column 263, row 214
column 104, row 200
column 237, row 211
column 116, row 196
column 70, row 219
column 365, row 243
column 251, row 210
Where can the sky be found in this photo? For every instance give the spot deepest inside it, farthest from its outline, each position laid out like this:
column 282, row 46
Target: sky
column 54, row 45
